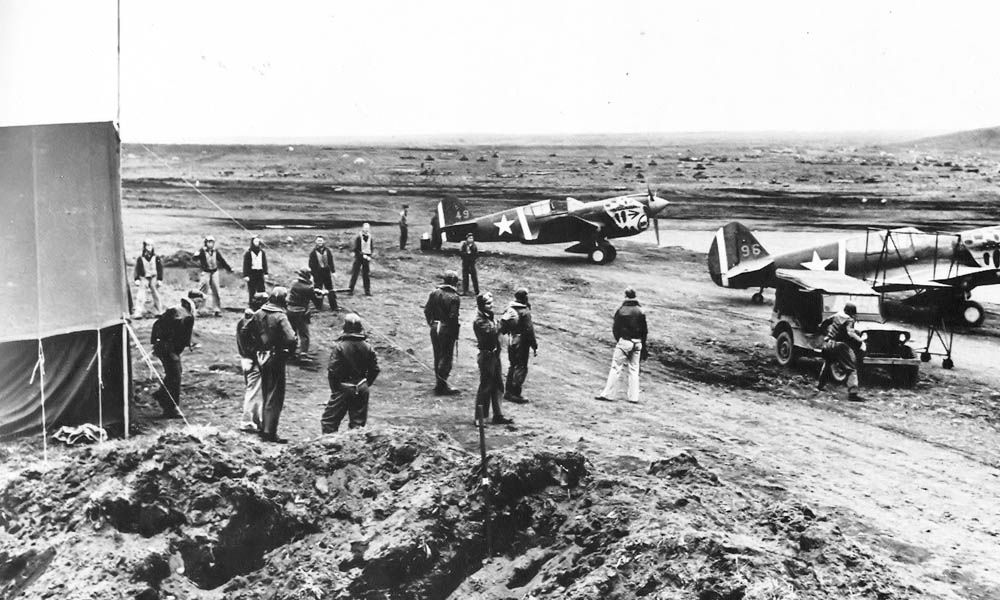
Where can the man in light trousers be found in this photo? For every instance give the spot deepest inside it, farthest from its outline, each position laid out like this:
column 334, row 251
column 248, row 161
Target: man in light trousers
column 630, row 347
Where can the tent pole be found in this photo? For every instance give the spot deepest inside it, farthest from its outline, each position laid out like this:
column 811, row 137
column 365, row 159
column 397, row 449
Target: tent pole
column 100, row 385
column 125, row 403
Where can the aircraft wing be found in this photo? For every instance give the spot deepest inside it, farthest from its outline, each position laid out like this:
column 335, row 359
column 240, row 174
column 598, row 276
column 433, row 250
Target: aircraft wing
column 567, row 225
column 968, row 278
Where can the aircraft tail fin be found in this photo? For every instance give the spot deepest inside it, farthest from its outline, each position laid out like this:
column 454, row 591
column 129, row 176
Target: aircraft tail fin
column 734, row 243
column 451, row 210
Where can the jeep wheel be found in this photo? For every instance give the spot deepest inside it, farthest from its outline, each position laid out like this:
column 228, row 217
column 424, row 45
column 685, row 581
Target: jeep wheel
column 837, row 373
column 784, row 347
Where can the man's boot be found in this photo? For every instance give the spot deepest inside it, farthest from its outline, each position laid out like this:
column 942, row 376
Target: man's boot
column 855, row 397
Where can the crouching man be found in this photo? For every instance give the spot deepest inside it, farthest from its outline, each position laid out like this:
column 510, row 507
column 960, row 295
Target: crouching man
column 353, row 368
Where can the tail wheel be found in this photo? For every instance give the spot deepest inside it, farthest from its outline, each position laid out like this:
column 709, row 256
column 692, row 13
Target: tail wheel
column 971, row 314
column 784, row 348
column 757, row 298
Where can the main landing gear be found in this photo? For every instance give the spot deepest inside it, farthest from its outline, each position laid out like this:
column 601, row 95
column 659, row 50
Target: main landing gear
column 602, row 253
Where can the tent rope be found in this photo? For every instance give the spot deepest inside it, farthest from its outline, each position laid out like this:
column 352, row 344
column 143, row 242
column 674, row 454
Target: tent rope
column 40, row 370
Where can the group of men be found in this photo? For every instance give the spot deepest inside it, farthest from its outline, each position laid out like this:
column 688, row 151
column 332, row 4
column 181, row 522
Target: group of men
column 148, row 271
column 441, row 312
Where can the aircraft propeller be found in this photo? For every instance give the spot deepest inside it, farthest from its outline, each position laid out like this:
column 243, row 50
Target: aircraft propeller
column 656, row 218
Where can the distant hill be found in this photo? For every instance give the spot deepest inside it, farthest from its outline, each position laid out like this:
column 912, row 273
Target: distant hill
column 974, row 140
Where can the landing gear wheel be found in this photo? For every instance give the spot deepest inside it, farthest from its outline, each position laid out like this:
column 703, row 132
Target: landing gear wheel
column 947, row 363
column 602, row 254
column 784, row 348
column 925, row 357
column 757, row 298
column 971, row 314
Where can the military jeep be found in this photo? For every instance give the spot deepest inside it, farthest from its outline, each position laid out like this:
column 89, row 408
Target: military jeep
column 803, row 299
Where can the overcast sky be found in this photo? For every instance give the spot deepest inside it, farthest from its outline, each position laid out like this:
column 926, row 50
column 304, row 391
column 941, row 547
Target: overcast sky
column 203, row 70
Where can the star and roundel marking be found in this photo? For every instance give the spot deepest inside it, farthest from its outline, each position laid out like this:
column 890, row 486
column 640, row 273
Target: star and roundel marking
column 504, row 226
column 817, row 263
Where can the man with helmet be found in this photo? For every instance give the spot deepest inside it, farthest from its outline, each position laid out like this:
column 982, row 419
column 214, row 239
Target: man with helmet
column 841, row 345
column 516, row 322
column 148, row 275
column 277, row 344
column 353, row 369
column 211, row 260
column 441, row 312
column 299, row 296
column 487, row 330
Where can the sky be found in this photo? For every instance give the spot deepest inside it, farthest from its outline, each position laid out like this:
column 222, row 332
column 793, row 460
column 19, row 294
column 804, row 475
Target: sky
column 214, row 70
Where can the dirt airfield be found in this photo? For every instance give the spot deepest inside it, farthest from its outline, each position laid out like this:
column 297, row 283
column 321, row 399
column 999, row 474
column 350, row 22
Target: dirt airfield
column 731, row 479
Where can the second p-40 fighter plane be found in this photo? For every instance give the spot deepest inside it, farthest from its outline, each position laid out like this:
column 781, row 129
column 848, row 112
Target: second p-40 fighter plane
column 589, row 224
column 938, row 270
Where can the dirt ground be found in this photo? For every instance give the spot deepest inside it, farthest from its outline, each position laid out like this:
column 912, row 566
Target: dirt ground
column 731, row 478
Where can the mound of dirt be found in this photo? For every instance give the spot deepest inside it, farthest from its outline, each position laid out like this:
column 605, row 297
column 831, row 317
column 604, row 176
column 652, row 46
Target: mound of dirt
column 399, row 513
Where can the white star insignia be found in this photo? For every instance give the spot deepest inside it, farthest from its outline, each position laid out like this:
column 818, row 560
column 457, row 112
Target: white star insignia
column 503, row 225
column 817, row 263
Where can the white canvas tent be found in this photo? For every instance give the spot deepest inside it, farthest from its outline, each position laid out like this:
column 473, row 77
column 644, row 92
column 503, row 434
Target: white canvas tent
column 63, row 287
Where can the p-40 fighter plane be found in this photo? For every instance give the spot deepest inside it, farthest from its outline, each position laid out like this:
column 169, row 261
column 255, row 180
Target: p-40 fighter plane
column 938, row 269
column 589, row 224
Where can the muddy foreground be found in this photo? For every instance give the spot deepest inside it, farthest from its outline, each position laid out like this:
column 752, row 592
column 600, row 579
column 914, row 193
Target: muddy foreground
column 731, row 479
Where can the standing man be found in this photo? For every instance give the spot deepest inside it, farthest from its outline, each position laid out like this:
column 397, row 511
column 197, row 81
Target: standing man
column 353, row 369
column 322, row 268
column 148, row 274
column 630, row 332
column 487, row 330
column 363, row 248
column 842, row 345
column 299, row 296
column 469, row 253
column 435, row 233
column 277, row 344
column 403, row 228
column 211, row 260
column 171, row 335
column 254, row 268
column 441, row 312
column 516, row 321
column 247, row 344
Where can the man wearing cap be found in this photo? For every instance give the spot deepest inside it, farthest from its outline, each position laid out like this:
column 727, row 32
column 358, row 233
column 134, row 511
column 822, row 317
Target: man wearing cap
column 363, row 249
column 441, row 312
column 322, row 268
column 487, row 330
column 211, row 260
column 353, row 369
column 278, row 343
column 171, row 335
column 300, row 294
column 148, row 273
column 403, row 227
column 246, row 344
column 469, row 252
column 516, row 321
column 629, row 329
column 254, row 268
column 839, row 346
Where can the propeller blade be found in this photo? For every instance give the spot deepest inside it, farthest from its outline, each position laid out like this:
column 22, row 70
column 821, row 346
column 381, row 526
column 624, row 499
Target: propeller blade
column 656, row 228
